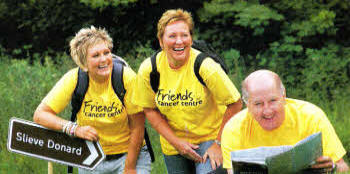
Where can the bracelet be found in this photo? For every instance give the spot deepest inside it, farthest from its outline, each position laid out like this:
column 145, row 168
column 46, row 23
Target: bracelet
column 72, row 129
column 217, row 142
column 75, row 128
column 69, row 127
column 66, row 126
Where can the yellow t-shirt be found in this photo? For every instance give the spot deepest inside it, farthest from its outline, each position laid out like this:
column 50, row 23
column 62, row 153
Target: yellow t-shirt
column 301, row 120
column 101, row 108
column 194, row 112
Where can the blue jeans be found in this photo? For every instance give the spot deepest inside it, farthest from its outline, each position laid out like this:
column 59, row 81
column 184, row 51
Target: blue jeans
column 177, row 164
column 143, row 165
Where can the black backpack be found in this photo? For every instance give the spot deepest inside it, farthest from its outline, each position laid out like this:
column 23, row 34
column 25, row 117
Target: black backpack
column 82, row 87
column 206, row 51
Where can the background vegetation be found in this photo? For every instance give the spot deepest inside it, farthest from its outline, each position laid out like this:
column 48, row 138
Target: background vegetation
column 307, row 42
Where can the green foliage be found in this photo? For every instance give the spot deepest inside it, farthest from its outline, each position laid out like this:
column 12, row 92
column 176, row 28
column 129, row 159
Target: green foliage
column 240, row 16
column 337, row 113
column 296, row 39
column 41, row 25
column 280, row 57
column 105, row 3
column 22, row 87
column 324, row 71
column 136, row 56
column 325, row 21
column 3, row 9
column 318, row 23
column 236, row 66
column 36, row 26
column 256, row 17
column 18, row 88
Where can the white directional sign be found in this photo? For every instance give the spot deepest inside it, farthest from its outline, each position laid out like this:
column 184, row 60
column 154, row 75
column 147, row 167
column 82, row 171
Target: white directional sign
column 29, row 138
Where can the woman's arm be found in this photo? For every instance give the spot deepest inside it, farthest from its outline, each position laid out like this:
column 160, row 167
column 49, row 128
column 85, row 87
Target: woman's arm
column 162, row 127
column 46, row 117
column 137, row 130
column 214, row 152
column 231, row 110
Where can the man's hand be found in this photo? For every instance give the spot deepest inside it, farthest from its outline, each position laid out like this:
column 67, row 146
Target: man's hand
column 186, row 149
column 324, row 162
column 215, row 155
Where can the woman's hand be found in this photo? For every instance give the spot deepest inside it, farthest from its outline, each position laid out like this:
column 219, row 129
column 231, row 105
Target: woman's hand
column 215, row 155
column 87, row 133
column 160, row 124
column 186, row 149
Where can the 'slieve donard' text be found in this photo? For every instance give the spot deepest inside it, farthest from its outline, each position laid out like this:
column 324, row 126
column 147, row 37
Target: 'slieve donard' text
column 50, row 144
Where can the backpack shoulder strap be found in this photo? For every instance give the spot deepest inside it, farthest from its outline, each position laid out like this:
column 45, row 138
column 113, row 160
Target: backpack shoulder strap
column 154, row 75
column 117, row 77
column 77, row 99
column 197, row 64
column 206, row 51
column 149, row 145
column 119, row 90
column 79, row 93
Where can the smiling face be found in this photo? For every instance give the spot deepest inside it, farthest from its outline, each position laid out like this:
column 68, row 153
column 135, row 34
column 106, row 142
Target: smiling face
column 176, row 42
column 99, row 61
column 266, row 101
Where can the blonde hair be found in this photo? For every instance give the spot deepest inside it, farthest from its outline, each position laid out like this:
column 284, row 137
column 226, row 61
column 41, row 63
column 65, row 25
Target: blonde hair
column 171, row 16
column 83, row 40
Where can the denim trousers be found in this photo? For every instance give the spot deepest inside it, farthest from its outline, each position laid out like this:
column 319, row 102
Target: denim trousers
column 117, row 166
column 177, row 164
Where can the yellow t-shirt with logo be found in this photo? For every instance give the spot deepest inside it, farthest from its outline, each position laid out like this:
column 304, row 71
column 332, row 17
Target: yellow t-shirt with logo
column 301, row 120
column 194, row 112
column 101, row 108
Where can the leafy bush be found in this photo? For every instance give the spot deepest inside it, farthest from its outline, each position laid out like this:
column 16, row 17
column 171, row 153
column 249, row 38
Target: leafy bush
column 238, row 25
column 324, row 71
column 36, row 26
column 296, row 39
column 42, row 24
column 136, row 56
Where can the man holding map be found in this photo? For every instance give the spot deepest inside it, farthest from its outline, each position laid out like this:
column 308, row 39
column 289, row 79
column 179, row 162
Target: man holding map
column 271, row 119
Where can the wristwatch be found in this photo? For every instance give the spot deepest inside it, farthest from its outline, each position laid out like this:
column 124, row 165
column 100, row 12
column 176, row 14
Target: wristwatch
column 217, row 142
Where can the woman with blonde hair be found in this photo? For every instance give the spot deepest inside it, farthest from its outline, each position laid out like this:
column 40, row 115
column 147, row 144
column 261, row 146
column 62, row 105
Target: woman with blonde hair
column 116, row 123
column 188, row 115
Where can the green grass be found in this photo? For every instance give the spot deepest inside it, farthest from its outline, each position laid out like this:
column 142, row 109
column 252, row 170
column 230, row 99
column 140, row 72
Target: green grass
column 22, row 87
